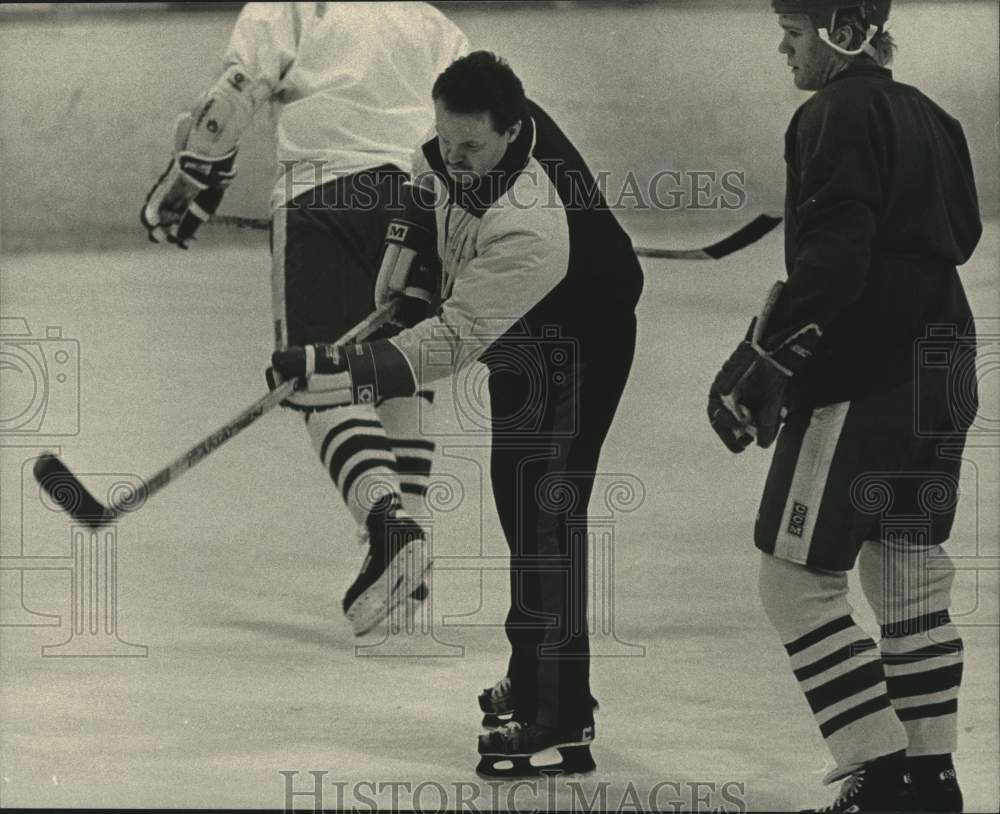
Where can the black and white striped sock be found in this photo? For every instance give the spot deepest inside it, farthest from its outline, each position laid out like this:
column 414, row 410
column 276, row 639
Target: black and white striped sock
column 923, row 659
column 841, row 674
column 353, row 446
column 414, row 457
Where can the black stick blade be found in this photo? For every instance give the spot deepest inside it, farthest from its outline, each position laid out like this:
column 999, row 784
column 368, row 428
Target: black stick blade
column 750, row 233
column 68, row 493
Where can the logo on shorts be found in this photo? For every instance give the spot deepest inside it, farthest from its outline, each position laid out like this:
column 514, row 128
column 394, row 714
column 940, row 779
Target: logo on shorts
column 397, row 231
column 365, row 394
column 797, row 523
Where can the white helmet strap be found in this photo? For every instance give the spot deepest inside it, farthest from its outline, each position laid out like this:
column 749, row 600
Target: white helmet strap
column 865, row 47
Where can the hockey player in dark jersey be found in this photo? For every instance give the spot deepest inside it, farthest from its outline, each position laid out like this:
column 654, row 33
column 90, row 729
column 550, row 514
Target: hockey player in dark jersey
column 540, row 282
column 880, row 209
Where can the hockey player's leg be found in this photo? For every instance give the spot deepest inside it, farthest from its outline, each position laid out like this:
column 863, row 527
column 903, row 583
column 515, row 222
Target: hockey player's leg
column 354, row 450
column 839, row 670
column 403, row 420
column 909, row 589
column 547, row 688
column 324, row 255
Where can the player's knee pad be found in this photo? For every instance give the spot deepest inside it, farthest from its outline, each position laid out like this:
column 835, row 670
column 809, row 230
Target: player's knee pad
column 222, row 114
column 904, row 581
column 797, row 599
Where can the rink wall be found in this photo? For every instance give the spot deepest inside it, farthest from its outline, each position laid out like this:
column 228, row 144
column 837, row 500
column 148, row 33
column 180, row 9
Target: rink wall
column 87, row 100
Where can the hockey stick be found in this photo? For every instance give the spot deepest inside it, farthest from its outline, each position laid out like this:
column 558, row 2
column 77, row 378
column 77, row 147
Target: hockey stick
column 740, row 239
column 66, row 490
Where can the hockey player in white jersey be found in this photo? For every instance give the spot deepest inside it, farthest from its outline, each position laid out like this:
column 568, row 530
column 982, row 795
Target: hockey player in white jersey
column 348, row 85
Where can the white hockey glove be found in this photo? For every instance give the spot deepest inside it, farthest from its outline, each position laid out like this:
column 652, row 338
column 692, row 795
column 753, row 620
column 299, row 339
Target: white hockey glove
column 410, row 269
column 748, row 397
column 205, row 146
column 335, row 376
column 188, row 192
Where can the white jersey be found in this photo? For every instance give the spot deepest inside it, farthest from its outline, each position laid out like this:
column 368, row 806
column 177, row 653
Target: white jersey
column 350, row 82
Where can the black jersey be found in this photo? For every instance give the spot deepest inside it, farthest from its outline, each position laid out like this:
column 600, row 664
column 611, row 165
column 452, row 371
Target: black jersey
column 880, row 208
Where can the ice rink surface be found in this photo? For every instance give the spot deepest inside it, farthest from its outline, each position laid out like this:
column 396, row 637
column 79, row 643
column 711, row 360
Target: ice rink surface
column 229, row 581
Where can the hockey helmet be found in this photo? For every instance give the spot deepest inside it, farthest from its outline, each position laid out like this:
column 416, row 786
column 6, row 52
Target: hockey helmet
column 823, row 14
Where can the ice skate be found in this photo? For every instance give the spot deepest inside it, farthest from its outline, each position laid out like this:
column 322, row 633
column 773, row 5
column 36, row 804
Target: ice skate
column 497, row 704
column 521, row 749
column 393, row 570
column 876, row 786
column 933, row 792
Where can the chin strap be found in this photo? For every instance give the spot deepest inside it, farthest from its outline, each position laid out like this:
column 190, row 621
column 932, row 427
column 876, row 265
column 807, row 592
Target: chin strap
column 864, row 48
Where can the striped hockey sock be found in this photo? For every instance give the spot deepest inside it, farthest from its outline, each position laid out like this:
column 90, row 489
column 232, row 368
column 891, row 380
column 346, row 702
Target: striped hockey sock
column 909, row 588
column 923, row 665
column 413, row 449
column 353, row 446
column 413, row 461
column 839, row 670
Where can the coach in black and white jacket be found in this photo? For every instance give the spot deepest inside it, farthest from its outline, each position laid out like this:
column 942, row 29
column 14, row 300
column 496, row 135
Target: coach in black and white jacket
column 539, row 282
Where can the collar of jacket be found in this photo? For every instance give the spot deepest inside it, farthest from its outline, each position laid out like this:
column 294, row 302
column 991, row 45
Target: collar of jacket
column 862, row 69
column 479, row 197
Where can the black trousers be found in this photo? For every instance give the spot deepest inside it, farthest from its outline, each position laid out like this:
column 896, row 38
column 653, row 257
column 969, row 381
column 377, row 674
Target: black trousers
column 553, row 400
column 326, row 246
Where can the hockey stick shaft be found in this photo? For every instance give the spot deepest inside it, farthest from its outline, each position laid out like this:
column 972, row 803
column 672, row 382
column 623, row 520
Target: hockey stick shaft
column 740, row 239
column 66, row 490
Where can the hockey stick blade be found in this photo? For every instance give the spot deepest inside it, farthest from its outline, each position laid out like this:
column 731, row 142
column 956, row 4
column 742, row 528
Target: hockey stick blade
column 68, row 493
column 740, row 239
column 63, row 487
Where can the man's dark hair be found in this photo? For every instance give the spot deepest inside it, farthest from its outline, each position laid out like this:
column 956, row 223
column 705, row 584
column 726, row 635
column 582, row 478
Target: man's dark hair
column 482, row 82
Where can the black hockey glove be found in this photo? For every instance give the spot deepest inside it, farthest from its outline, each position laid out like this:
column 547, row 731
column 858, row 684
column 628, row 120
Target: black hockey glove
column 748, row 397
column 335, row 376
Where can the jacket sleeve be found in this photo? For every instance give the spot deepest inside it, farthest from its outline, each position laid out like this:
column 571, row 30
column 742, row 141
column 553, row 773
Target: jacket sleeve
column 265, row 41
column 834, row 154
column 521, row 255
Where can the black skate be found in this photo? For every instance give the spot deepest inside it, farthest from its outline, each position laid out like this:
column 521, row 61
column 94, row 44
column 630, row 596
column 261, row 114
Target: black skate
column 393, row 571
column 497, row 704
column 521, row 749
column 933, row 792
column 877, row 786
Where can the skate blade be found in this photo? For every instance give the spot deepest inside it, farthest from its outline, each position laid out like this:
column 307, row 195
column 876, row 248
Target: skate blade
column 557, row 760
column 403, row 577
